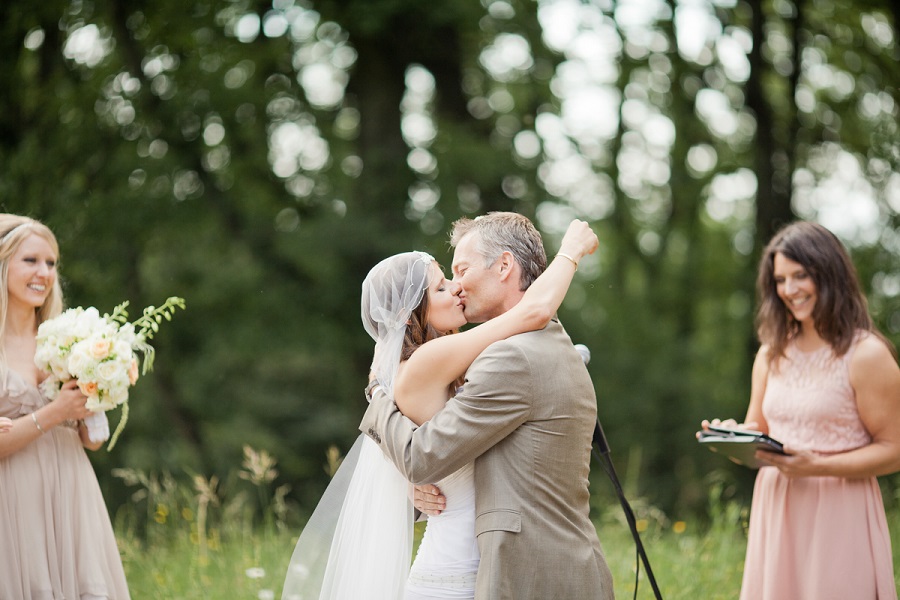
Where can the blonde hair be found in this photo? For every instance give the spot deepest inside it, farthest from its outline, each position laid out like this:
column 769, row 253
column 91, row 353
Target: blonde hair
column 14, row 229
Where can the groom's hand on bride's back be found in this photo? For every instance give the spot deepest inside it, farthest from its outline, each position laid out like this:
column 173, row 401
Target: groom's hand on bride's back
column 428, row 499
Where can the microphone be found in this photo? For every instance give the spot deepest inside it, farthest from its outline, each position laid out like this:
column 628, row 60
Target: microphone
column 599, row 438
column 585, row 353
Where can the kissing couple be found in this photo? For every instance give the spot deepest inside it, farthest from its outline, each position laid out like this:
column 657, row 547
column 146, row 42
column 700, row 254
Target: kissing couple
column 500, row 417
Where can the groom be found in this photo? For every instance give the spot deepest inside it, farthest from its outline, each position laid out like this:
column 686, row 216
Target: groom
column 526, row 416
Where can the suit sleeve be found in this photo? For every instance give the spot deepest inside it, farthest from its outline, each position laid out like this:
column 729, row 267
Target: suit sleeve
column 494, row 401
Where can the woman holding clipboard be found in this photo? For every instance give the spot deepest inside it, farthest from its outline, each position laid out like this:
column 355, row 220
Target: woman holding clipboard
column 826, row 384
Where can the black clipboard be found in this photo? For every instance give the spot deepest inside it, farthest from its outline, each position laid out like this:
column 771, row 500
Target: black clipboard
column 740, row 445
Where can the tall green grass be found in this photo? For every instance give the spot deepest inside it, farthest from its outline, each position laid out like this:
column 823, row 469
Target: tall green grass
column 204, row 538
column 199, row 538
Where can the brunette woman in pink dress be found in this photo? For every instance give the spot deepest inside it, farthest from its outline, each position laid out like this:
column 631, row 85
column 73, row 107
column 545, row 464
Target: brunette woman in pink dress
column 56, row 539
column 827, row 385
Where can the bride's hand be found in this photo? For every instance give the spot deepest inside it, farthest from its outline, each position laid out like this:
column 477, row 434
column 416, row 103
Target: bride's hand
column 580, row 240
column 429, row 500
column 5, row 424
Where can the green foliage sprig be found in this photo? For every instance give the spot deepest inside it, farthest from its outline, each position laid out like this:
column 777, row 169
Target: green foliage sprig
column 148, row 325
column 144, row 328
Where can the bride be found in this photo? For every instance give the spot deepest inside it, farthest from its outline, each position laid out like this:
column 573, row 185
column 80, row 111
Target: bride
column 358, row 542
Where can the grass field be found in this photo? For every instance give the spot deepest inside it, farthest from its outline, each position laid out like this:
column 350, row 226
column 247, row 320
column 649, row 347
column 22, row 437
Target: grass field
column 205, row 539
column 252, row 564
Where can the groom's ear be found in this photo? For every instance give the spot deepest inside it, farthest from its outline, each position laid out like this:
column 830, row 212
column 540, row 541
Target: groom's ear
column 508, row 265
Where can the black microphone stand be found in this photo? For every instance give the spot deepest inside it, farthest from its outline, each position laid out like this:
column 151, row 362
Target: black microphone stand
column 600, row 450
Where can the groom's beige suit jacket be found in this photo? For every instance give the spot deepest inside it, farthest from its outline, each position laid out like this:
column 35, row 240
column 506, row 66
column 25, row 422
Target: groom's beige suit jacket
column 526, row 417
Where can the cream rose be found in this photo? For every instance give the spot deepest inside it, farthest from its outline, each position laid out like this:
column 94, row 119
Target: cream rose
column 97, row 405
column 80, row 363
column 112, row 372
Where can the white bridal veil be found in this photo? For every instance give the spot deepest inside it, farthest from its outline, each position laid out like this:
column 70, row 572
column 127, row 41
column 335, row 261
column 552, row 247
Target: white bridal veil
column 358, row 541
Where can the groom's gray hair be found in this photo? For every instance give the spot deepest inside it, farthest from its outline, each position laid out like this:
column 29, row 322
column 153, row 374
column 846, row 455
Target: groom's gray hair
column 500, row 232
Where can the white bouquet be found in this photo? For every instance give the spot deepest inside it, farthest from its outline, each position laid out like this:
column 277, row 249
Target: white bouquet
column 101, row 353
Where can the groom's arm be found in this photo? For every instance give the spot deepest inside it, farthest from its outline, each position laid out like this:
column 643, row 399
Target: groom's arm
column 427, row 498
column 383, row 415
column 493, row 404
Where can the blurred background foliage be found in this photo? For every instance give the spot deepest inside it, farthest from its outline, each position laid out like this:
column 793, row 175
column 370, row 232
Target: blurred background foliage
column 258, row 157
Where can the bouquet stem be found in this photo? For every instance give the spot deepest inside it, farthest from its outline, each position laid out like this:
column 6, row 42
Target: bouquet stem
column 97, row 426
column 119, row 427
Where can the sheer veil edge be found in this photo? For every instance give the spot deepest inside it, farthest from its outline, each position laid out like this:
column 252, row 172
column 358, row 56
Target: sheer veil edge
column 358, row 541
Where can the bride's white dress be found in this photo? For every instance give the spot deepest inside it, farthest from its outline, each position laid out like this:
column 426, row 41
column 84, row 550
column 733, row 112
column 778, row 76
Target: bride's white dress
column 447, row 559
column 358, row 542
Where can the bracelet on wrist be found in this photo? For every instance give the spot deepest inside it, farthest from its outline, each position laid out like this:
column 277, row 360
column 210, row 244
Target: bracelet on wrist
column 564, row 255
column 36, row 424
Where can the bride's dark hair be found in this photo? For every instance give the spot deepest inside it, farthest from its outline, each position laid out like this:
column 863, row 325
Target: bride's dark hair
column 418, row 331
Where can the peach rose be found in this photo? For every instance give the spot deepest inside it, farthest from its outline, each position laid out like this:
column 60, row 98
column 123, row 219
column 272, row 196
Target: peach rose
column 88, row 388
column 100, row 348
column 133, row 372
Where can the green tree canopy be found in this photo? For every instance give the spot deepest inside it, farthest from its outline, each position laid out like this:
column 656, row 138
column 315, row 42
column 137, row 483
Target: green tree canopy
column 257, row 158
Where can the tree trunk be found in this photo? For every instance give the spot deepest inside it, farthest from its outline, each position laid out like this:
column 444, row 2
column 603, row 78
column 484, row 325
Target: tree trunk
column 773, row 205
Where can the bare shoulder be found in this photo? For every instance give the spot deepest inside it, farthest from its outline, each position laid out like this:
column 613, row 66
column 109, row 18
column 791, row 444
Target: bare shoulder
column 873, row 359
column 872, row 351
column 761, row 362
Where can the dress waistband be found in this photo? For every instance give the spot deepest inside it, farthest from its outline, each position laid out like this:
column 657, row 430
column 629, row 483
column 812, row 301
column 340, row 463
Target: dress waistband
column 454, row 582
